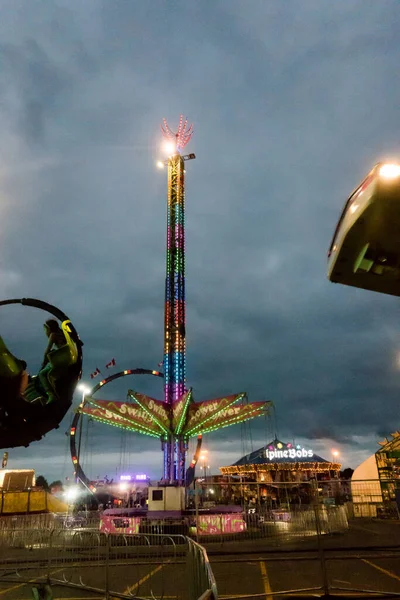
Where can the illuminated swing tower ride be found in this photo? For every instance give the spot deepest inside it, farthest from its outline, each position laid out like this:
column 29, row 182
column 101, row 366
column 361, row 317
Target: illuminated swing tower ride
column 175, row 303
column 176, row 396
column 178, row 418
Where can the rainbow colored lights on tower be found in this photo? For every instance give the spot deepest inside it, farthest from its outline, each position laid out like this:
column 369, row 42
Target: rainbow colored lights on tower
column 178, row 418
column 175, row 303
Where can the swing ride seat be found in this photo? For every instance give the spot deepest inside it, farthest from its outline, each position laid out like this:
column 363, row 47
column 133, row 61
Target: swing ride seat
column 33, row 392
column 10, row 366
column 60, row 360
column 62, row 357
column 365, row 250
column 25, row 415
column 11, row 371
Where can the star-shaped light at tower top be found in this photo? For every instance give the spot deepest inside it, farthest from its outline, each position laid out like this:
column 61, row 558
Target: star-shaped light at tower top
column 184, row 419
column 183, row 135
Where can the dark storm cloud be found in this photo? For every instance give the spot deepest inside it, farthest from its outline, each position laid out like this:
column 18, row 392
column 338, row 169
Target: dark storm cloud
column 30, row 77
column 291, row 108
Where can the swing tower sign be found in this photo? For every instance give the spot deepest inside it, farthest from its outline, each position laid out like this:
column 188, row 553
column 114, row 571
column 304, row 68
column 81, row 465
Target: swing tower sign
column 177, row 418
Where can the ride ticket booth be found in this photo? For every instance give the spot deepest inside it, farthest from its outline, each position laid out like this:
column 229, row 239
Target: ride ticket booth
column 166, row 498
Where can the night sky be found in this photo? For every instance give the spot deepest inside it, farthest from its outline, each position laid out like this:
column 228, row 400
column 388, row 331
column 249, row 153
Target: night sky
column 292, row 104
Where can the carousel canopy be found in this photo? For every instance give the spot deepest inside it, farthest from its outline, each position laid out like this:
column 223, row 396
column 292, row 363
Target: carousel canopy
column 279, row 452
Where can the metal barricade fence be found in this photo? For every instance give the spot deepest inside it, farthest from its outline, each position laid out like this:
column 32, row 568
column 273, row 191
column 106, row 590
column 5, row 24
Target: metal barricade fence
column 88, row 520
column 118, row 566
column 199, row 574
column 39, row 521
column 251, row 512
column 159, row 558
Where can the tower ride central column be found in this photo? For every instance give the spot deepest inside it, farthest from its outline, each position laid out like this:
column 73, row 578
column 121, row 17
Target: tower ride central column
column 175, row 318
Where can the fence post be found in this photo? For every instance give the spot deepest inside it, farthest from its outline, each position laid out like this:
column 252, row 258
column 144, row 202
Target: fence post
column 189, row 578
column 50, row 548
column 196, row 504
column 107, row 575
column 325, row 583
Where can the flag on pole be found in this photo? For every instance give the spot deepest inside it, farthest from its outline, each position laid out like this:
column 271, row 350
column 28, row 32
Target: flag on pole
column 95, row 373
column 111, row 363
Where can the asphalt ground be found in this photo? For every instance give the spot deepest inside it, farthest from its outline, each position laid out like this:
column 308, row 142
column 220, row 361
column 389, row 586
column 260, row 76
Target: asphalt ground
column 143, row 581
column 299, row 575
column 362, row 560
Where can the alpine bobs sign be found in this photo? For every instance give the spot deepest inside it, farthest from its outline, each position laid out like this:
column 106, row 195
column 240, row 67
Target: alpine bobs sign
column 288, row 453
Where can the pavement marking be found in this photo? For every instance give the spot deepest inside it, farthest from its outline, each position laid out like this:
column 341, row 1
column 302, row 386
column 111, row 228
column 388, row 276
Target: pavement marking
column 10, row 589
column 365, row 529
column 133, row 587
column 102, row 597
column 231, row 596
column 288, row 595
column 265, row 580
column 20, row 585
column 234, row 596
column 378, row 568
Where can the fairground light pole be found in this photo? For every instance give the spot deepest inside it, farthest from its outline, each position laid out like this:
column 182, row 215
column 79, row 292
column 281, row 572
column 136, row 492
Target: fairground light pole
column 175, row 303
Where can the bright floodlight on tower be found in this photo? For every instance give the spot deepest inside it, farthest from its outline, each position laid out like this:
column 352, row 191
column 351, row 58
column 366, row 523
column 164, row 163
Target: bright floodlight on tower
column 169, row 148
column 389, row 171
column 71, row 494
column 82, row 387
